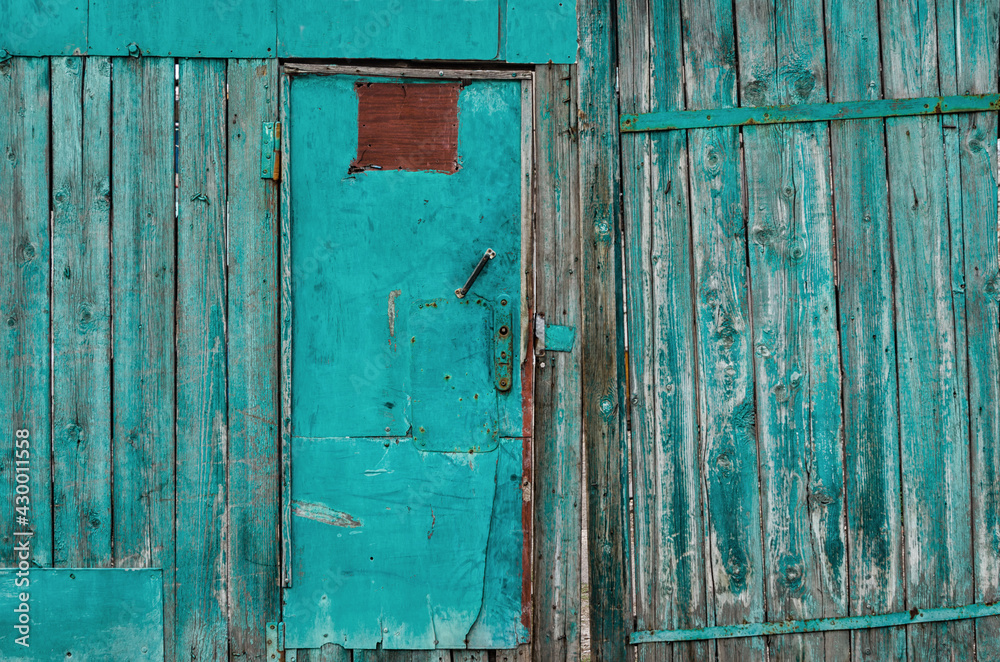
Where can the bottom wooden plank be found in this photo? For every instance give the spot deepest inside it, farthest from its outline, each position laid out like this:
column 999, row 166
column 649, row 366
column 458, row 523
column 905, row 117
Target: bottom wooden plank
column 70, row 613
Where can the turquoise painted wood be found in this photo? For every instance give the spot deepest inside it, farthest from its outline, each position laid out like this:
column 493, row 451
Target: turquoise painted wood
column 221, row 28
column 253, row 498
column 33, row 28
column 369, row 552
column 82, row 613
column 977, row 72
column 540, row 31
column 143, row 245
column 934, row 424
column 81, row 311
column 667, row 477
column 854, row 109
column 24, row 298
column 785, row 628
column 406, row 361
column 794, row 321
column 445, row 223
column 558, row 434
column 202, row 519
column 403, row 29
column 725, row 384
column 867, row 335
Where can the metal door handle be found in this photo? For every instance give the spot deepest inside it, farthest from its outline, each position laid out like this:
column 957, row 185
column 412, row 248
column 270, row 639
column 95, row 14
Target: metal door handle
column 487, row 256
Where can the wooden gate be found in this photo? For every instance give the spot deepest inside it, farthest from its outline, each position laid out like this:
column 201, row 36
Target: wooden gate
column 813, row 328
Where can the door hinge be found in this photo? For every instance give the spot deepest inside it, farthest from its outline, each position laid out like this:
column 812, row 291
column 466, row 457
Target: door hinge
column 274, row 642
column 270, row 151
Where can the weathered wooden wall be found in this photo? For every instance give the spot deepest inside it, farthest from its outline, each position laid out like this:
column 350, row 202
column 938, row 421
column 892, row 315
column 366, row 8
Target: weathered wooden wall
column 813, row 327
column 159, row 295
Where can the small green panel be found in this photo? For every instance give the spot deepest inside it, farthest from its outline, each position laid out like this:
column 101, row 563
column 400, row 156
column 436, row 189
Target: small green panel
column 559, row 338
column 81, row 614
column 541, row 31
column 36, row 27
column 404, row 29
column 399, row 550
column 454, row 404
column 215, row 29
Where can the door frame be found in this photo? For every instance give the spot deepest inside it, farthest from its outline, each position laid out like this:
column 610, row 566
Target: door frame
column 447, row 72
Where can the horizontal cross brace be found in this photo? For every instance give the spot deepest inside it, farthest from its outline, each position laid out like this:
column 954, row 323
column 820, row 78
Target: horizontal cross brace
column 812, row 112
column 819, row 624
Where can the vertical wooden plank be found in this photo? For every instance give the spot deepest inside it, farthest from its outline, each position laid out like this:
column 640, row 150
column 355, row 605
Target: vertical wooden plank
column 202, row 528
column 81, row 311
column 976, row 73
column 796, row 353
column 24, row 298
column 603, row 347
column 285, row 332
column 670, row 557
column 143, row 261
column 253, row 465
column 726, row 398
column 867, row 333
column 933, row 420
column 557, row 382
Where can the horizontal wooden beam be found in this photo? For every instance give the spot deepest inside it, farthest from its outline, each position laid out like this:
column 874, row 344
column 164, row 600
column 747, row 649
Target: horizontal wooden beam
column 298, row 68
column 813, row 112
column 911, row 617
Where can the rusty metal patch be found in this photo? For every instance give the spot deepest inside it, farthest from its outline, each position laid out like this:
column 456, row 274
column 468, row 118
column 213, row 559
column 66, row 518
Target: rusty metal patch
column 407, row 126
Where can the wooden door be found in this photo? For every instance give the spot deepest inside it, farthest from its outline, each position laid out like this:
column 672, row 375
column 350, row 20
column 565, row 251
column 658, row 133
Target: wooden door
column 407, row 416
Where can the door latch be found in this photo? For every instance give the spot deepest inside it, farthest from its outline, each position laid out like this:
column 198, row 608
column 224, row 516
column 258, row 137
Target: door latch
column 487, row 256
column 503, row 345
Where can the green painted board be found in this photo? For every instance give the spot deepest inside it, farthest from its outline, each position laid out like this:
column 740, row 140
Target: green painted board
column 977, row 31
column 201, row 425
column 867, row 334
column 540, row 31
column 24, row 300
column 221, row 28
column 934, row 420
column 43, row 27
column 403, row 29
column 81, row 310
column 794, row 322
column 143, row 240
column 370, row 548
column 351, row 304
column 253, row 499
column 82, row 614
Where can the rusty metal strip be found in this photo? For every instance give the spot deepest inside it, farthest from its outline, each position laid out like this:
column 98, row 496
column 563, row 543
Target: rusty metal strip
column 297, row 68
column 818, row 112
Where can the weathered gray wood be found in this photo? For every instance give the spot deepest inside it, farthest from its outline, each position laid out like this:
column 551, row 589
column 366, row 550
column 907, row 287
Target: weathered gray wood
column 24, row 298
column 867, row 333
column 285, row 334
column 143, row 241
column 976, row 70
column 253, row 549
column 604, row 393
column 725, row 381
column 557, row 468
column 794, row 317
column 669, row 537
column 203, row 524
column 934, row 423
column 81, row 311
